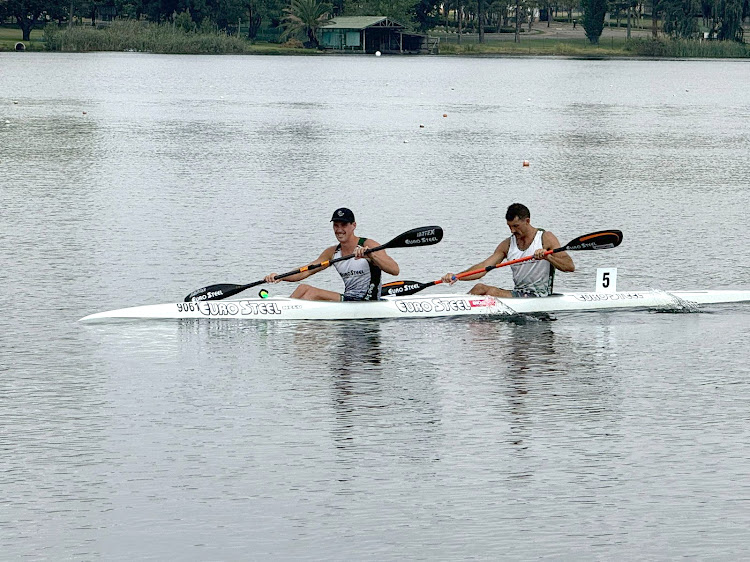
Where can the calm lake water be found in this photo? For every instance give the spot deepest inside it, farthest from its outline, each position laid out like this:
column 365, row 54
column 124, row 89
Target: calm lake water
column 133, row 179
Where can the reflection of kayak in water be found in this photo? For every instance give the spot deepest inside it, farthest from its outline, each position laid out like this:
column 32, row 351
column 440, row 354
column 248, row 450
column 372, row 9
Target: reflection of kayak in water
column 426, row 306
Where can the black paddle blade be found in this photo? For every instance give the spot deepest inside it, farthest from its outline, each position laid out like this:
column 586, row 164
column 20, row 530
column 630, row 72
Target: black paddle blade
column 423, row 236
column 602, row 240
column 402, row 288
column 212, row 292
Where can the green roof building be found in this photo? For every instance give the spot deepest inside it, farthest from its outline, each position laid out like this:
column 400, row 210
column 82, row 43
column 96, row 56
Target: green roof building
column 369, row 34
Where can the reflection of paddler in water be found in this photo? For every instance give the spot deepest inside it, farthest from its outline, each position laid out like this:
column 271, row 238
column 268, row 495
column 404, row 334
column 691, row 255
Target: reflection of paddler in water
column 358, row 347
column 343, row 344
column 528, row 341
column 529, row 350
column 531, row 346
column 356, row 372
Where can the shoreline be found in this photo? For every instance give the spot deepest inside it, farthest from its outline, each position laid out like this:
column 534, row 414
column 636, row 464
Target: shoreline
column 560, row 40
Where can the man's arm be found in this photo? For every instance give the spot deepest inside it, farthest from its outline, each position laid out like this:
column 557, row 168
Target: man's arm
column 560, row 260
column 380, row 258
column 497, row 257
column 325, row 256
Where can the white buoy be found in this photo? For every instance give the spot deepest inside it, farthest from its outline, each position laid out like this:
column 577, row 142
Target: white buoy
column 377, row 53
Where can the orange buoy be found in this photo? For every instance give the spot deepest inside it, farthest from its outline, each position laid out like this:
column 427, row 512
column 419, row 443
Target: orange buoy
column 445, row 115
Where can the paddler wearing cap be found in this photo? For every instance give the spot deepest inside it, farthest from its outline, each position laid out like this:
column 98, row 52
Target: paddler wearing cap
column 362, row 275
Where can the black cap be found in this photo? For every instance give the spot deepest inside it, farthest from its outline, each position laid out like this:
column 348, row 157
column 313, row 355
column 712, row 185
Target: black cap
column 343, row 215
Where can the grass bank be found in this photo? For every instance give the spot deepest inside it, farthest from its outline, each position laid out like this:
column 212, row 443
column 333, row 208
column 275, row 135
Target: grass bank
column 155, row 38
column 165, row 38
column 611, row 47
column 538, row 47
column 682, row 48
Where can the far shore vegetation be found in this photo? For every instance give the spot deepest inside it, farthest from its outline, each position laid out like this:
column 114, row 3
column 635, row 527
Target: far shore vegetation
column 566, row 28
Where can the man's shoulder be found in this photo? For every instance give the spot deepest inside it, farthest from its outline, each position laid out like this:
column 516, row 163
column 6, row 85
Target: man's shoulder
column 505, row 243
column 503, row 247
column 548, row 239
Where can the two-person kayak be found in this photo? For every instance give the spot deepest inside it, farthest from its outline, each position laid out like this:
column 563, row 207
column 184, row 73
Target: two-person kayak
column 425, row 306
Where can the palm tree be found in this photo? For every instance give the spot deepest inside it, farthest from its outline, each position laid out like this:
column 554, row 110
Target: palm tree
column 305, row 16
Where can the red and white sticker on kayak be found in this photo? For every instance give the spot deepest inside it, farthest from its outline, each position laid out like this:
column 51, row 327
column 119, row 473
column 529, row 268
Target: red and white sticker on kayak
column 487, row 301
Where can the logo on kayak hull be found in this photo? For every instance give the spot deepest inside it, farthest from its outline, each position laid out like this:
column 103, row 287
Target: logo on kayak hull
column 445, row 305
column 233, row 308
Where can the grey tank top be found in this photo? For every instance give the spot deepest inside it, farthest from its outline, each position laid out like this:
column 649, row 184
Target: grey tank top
column 536, row 276
column 362, row 279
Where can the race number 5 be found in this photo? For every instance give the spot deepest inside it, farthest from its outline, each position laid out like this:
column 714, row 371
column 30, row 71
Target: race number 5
column 606, row 280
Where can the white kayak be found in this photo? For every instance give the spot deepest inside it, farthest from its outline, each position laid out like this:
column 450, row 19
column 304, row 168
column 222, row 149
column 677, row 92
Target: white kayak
column 426, row 306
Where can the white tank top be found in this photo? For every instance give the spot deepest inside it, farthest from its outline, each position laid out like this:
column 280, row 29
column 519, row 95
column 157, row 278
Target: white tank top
column 535, row 276
column 362, row 279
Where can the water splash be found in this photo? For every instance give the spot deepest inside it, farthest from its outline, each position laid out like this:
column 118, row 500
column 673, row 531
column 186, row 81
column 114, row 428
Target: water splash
column 676, row 305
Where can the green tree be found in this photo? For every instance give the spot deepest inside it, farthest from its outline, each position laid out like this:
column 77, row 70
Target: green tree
column 569, row 6
column 304, row 17
column 459, row 17
column 226, row 12
column 258, row 10
column 679, row 18
column 426, row 13
column 708, row 8
column 30, row 13
column 729, row 15
column 655, row 9
column 531, row 8
column 184, row 21
column 480, row 19
column 162, row 10
column 593, row 19
column 631, row 5
column 549, row 6
column 129, row 9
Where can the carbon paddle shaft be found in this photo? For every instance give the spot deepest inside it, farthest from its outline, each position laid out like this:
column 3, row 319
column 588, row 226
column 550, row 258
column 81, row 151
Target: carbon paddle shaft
column 601, row 240
column 423, row 236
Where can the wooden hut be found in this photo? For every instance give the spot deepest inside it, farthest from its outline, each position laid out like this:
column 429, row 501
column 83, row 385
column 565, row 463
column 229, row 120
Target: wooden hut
column 370, row 34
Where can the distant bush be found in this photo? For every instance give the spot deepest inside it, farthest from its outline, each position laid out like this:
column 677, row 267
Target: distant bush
column 185, row 21
column 687, row 48
column 448, row 49
column 462, row 49
column 129, row 35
